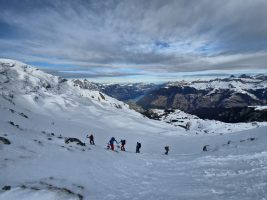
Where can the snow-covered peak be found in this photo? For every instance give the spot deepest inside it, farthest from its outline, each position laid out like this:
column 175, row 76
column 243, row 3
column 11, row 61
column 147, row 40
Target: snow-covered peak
column 238, row 84
column 17, row 78
column 195, row 125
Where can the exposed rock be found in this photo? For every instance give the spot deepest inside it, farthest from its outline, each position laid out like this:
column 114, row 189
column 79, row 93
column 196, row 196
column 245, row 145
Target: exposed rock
column 75, row 140
column 7, row 187
column 5, row 140
column 102, row 96
column 205, row 148
column 219, row 104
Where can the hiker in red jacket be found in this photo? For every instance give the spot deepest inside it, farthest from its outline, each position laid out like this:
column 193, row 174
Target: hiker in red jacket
column 111, row 142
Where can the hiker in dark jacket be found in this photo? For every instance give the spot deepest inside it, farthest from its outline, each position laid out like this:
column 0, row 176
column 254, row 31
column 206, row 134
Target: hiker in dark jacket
column 123, row 142
column 138, row 147
column 91, row 138
column 111, row 142
column 167, row 148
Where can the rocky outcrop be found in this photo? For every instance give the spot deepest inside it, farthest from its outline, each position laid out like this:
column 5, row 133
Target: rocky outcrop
column 4, row 140
column 75, row 140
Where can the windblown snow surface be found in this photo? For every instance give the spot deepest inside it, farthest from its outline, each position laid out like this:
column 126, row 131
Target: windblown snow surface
column 38, row 111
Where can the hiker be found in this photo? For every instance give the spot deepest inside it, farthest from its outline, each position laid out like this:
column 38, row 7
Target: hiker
column 91, row 137
column 123, row 142
column 166, row 150
column 111, row 143
column 138, row 146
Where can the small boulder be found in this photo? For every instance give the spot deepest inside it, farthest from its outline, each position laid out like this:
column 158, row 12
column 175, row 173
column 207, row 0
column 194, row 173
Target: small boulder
column 7, row 187
column 5, row 141
column 77, row 141
column 205, row 148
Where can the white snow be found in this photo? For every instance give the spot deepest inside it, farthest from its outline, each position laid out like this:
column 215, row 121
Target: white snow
column 179, row 118
column 29, row 194
column 261, row 108
column 39, row 165
column 239, row 85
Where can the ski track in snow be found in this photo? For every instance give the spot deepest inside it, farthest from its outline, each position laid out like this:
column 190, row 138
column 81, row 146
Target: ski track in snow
column 39, row 165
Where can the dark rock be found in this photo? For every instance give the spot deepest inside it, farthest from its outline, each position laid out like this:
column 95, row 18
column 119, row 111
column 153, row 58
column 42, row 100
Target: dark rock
column 80, row 196
column 11, row 110
column 102, row 96
column 5, row 140
column 77, row 141
column 23, row 115
column 118, row 106
column 62, row 80
column 205, row 148
column 23, row 186
column 35, row 188
column 11, row 123
column 16, row 125
column 7, row 187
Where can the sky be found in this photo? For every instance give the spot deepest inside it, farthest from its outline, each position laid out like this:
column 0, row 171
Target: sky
column 136, row 40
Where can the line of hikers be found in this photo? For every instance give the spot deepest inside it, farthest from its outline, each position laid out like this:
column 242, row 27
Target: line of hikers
column 110, row 144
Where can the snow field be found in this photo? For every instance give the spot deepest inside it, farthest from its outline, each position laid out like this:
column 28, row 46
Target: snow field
column 39, row 165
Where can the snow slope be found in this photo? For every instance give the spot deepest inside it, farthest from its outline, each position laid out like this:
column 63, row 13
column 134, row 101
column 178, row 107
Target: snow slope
column 38, row 111
column 200, row 126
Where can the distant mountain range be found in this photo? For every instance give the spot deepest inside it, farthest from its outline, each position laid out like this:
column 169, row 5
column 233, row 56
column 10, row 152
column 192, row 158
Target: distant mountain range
column 227, row 99
column 122, row 92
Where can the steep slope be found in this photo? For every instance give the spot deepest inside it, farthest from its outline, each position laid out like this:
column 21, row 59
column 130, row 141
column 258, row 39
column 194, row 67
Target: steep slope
column 35, row 92
column 36, row 163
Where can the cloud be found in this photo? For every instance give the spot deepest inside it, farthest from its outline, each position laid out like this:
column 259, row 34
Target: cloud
column 150, row 36
column 88, row 74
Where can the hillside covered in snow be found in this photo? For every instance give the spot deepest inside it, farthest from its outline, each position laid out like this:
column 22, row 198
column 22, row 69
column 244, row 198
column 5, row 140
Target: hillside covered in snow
column 39, row 112
column 194, row 125
column 227, row 99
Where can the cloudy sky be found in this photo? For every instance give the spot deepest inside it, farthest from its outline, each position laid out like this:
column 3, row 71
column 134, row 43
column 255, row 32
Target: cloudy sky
column 136, row 40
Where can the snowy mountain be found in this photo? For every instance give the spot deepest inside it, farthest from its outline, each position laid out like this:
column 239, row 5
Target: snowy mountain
column 239, row 84
column 229, row 99
column 194, row 125
column 40, row 112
